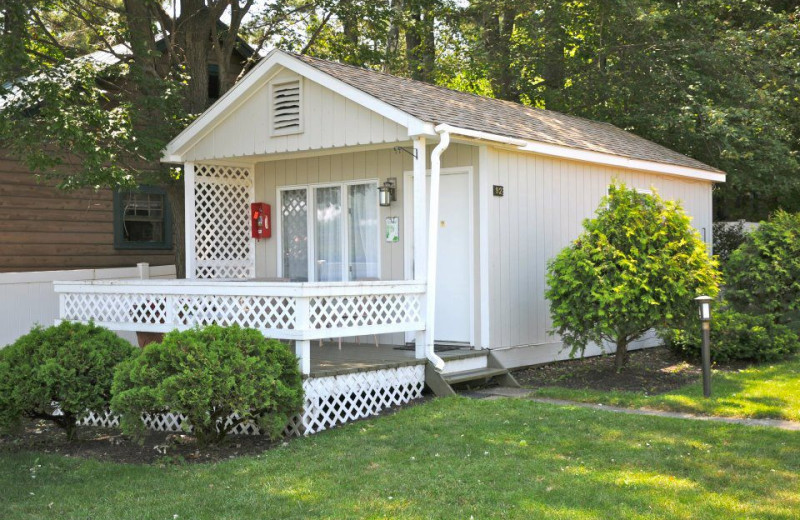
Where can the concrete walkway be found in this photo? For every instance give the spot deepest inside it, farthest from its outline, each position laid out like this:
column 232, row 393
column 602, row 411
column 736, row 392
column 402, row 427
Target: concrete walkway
column 522, row 393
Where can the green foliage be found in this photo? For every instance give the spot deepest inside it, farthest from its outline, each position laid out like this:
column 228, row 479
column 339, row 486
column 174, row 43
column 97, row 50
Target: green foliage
column 727, row 239
column 208, row 375
column 763, row 275
column 637, row 266
column 72, row 364
column 78, row 110
column 736, row 336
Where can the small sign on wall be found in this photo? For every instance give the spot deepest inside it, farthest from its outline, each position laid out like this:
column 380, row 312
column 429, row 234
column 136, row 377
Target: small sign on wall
column 497, row 191
column 393, row 229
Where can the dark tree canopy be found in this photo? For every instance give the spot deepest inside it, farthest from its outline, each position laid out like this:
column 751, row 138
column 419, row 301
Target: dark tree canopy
column 713, row 79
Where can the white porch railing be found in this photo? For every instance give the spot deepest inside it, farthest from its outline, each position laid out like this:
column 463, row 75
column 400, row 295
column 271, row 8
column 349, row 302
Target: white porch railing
column 293, row 311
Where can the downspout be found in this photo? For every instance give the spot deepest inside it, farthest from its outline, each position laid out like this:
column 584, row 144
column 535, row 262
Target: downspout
column 433, row 240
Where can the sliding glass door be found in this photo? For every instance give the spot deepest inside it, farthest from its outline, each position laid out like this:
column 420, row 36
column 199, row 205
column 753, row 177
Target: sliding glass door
column 340, row 235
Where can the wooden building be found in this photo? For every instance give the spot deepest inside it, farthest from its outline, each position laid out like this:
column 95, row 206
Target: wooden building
column 43, row 228
column 402, row 213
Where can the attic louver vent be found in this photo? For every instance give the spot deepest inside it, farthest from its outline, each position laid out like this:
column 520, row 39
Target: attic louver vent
column 286, row 108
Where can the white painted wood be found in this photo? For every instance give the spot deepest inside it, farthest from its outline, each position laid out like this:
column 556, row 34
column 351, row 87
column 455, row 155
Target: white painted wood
column 189, row 218
column 279, row 310
column 574, row 154
column 446, row 255
column 541, row 212
column 223, row 246
column 420, row 244
column 463, row 364
column 227, row 129
column 374, row 163
column 302, row 349
column 27, row 299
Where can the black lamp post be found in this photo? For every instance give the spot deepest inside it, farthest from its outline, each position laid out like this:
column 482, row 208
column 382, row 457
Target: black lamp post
column 704, row 308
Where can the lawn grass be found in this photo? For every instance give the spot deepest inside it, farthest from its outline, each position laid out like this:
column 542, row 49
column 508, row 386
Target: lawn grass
column 766, row 391
column 449, row 458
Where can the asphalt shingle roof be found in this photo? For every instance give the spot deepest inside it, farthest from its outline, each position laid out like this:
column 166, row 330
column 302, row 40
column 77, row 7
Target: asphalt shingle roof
column 434, row 104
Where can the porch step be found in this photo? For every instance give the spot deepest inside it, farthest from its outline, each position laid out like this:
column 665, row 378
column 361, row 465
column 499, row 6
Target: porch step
column 473, row 375
column 441, row 383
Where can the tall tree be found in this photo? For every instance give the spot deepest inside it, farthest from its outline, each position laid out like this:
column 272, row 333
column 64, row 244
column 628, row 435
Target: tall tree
column 112, row 121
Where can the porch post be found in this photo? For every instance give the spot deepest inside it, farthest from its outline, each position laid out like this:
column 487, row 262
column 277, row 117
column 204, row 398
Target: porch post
column 302, row 347
column 420, row 245
column 189, row 216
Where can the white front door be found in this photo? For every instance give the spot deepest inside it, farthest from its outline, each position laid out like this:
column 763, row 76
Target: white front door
column 453, row 266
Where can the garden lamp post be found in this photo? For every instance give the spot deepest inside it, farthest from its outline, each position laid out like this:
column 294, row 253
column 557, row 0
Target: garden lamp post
column 704, row 308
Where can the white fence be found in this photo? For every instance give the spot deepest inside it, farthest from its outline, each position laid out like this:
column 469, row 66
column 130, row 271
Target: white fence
column 28, row 298
column 295, row 311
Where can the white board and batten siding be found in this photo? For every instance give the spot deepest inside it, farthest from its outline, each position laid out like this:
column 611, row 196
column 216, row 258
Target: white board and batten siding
column 544, row 204
column 329, row 120
column 28, row 299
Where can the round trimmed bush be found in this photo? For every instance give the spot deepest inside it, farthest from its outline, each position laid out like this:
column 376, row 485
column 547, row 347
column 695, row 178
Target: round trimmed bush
column 737, row 336
column 71, row 364
column 211, row 375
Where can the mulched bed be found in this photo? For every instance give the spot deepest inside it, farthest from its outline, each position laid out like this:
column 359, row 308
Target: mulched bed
column 162, row 448
column 110, row 444
column 653, row 370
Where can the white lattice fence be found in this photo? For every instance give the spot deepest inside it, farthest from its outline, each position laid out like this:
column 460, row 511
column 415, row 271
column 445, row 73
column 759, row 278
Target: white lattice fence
column 329, row 401
column 181, row 310
column 279, row 310
column 334, row 400
column 364, row 310
column 223, row 246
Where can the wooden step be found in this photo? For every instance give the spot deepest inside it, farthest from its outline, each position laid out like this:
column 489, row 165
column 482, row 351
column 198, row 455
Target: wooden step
column 473, row 375
column 440, row 382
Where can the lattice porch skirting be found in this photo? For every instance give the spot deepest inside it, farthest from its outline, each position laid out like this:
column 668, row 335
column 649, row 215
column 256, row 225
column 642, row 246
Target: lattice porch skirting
column 329, row 401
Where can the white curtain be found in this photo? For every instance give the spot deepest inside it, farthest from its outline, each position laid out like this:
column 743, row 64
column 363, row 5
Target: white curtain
column 329, row 228
column 363, row 231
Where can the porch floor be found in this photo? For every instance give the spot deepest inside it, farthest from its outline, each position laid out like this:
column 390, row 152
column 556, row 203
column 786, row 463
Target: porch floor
column 328, row 360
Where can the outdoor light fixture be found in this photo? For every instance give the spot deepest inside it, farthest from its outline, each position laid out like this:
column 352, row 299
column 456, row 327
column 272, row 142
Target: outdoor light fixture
column 387, row 193
column 704, row 313
column 704, row 306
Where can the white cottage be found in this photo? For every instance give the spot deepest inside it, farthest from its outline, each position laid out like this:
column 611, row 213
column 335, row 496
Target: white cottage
column 345, row 157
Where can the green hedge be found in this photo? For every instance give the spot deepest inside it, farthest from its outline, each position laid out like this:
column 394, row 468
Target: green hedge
column 208, row 375
column 737, row 336
column 72, row 364
column 763, row 274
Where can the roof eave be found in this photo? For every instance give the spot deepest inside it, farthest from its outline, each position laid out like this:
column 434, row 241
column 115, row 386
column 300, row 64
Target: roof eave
column 575, row 154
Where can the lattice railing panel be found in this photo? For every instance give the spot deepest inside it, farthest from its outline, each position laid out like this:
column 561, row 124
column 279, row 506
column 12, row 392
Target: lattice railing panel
column 257, row 312
column 146, row 309
column 223, row 246
column 334, row 400
column 364, row 311
column 329, row 401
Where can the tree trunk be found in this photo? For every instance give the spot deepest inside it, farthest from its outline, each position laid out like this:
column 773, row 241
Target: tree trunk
column 413, row 43
column 393, row 37
column 498, row 29
column 175, row 192
column 554, row 62
column 195, row 41
column 621, row 356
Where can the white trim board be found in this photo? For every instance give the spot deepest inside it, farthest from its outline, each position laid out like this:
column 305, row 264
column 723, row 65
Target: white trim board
column 408, row 241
